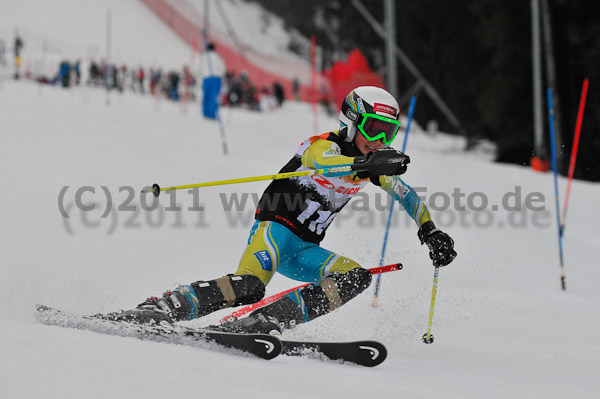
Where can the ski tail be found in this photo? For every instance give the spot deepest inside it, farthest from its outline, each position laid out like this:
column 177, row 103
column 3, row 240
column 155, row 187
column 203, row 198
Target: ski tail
column 364, row 353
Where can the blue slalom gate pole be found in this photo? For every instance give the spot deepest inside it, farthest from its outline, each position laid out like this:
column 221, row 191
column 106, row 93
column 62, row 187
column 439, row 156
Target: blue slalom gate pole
column 411, row 110
column 563, row 282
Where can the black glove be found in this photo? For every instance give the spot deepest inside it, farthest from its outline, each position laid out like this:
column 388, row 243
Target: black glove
column 441, row 246
column 386, row 162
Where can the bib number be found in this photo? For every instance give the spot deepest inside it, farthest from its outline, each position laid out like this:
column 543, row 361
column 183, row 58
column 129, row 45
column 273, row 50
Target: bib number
column 323, row 220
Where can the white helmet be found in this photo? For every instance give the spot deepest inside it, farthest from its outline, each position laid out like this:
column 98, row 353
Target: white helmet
column 369, row 101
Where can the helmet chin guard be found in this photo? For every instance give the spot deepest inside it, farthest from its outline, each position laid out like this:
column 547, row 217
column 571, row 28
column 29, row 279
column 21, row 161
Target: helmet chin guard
column 365, row 99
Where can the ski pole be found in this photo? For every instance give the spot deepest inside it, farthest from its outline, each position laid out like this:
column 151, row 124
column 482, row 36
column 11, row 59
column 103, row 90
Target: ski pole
column 563, row 282
column 574, row 150
column 156, row 189
column 340, row 170
column 275, row 297
column 428, row 337
column 411, row 110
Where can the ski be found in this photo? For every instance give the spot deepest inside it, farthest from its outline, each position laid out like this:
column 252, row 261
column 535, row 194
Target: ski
column 261, row 345
column 364, row 353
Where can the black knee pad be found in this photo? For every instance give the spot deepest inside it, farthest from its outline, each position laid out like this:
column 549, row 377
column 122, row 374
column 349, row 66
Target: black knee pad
column 334, row 291
column 352, row 283
column 228, row 291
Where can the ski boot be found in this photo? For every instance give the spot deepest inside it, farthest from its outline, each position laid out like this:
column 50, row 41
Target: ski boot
column 148, row 312
column 188, row 302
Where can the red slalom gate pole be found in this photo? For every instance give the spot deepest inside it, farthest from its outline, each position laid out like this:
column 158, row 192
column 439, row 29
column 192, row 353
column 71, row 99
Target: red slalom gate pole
column 276, row 297
column 582, row 100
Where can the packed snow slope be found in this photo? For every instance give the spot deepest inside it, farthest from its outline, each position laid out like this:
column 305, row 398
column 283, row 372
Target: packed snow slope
column 502, row 326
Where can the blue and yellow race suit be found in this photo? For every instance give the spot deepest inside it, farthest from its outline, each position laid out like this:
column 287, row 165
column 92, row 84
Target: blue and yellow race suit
column 293, row 215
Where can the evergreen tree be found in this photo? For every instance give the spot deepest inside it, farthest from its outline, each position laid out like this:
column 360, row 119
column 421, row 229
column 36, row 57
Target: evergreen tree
column 477, row 54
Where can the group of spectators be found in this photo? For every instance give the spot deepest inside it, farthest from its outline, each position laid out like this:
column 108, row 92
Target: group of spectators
column 122, row 78
column 236, row 90
column 171, row 84
column 239, row 91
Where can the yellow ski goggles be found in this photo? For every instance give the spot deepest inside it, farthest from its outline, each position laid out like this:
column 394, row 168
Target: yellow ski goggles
column 375, row 127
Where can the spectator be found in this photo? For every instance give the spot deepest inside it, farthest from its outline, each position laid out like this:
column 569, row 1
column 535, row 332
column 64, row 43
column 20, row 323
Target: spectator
column 234, row 93
column 248, row 91
column 17, row 49
column 110, row 76
column 103, row 73
column 141, row 77
column 64, row 73
column 2, row 52
column 77, row 70
column 174, row 86
column 211, row 71
column 94, row 73
column 296, row 88
column 210, row 63
column 278, row 93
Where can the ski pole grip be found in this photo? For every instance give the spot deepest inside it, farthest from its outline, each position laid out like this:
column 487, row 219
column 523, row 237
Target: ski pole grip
column 154, row 190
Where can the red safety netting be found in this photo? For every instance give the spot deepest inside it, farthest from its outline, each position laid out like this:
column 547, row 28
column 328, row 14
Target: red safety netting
column 333, row 85
column 345, row 76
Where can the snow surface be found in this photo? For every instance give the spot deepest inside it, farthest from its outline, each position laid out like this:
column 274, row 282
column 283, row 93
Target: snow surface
column 502, row 326
column 267, row 35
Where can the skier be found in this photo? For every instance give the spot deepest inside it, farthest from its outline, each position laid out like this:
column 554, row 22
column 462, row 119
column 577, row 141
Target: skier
column 291, row 220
